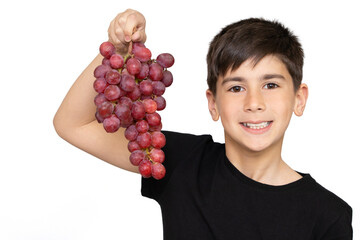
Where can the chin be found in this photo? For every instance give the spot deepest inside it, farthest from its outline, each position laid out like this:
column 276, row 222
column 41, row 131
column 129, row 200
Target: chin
column 246, row 144
column 256, row 148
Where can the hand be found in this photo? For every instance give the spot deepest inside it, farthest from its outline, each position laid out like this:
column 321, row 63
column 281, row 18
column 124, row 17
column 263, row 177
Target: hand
column 128, row 26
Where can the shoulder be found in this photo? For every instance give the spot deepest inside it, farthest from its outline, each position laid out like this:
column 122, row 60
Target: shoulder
column 334, row 214
column 186, row 141
column 329, row 200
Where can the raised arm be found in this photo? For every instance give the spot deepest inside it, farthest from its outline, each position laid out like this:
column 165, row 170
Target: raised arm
column 75, row 119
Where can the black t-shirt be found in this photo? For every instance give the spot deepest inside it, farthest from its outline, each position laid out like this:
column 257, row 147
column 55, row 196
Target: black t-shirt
column 203, row 196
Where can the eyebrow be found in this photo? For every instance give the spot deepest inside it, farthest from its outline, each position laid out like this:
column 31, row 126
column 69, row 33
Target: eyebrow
column 264, row 77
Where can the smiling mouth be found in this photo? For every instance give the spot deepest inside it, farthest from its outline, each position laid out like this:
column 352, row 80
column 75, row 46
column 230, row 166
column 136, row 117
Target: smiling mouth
column 256, row 125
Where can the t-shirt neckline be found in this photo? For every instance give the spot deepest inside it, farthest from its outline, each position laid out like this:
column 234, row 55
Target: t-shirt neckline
column 250, row 182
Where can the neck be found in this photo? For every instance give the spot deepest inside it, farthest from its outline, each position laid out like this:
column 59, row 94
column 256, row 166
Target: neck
column 265, row 166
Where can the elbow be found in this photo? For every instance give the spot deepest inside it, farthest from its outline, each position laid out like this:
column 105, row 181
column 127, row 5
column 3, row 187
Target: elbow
column 59, row 126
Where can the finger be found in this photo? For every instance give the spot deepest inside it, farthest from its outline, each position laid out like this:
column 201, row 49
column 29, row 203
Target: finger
column 139, row 36
column 112, row 34
column 116, row 35
column 135, row 21
column 121, row 46
column 119, row 24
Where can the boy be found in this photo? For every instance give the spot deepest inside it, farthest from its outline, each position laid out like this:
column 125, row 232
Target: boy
column 241, row 189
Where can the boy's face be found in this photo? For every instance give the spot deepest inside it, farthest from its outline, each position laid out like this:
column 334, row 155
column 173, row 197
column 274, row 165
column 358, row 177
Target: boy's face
column 255, row 104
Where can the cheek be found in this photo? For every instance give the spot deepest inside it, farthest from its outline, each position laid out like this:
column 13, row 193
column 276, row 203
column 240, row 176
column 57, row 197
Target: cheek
column 283, row 107
column 281, row 104
column 227, row 107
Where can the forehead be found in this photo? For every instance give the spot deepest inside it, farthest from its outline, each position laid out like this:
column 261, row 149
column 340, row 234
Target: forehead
column 250, row 69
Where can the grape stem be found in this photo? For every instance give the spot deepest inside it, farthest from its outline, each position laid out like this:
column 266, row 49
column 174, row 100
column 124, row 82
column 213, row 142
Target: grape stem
column 127, row 56
column 130, row 47
column 148, row 155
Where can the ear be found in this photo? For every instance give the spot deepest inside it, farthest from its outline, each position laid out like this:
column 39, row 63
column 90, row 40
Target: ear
column 212, row 105
column 300, row 99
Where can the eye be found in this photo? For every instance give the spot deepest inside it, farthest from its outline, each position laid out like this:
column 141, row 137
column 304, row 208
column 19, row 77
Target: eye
column 271, row 86
column 236, row 89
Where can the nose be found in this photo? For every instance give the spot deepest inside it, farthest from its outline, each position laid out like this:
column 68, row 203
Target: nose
column 254, row 102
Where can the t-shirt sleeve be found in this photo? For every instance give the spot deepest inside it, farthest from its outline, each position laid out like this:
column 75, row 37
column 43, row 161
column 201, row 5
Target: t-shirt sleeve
column 177, row 149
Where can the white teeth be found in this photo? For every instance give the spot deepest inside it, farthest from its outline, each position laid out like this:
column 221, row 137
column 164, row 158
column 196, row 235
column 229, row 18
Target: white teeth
column 256, row 126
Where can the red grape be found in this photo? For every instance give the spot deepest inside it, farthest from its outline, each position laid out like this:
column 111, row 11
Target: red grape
column 160, row 102
column 158, row 171
column 138, row 110
column 100, row 84
column 126, row 122
column 99, row 99
column 122, row 111
column 101, row 70
column 158, row 88
column 135, row 94
column 144, row 71
column 130, row 133
column 111, row 124
column 106, row 61
column 144, row 139
column 150, row 105
column 133, row 66
column 112, row 92
column 142, row 126
column 167, row 78
column 158, row 139
column 153, row 119
column 133, row 145
column 145, row 168
column 127, row 83
column 155, row 72
column 113, row 77
column 126, row 101
column 146, row 87
column 107, row 49
column 157, row 155
column 142, row 53
column 106, row 109
column 166, row 60
column 136, row 157
column 116, row 61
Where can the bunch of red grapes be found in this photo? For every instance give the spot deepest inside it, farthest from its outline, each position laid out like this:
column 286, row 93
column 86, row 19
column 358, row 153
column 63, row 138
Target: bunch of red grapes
column 130, row 90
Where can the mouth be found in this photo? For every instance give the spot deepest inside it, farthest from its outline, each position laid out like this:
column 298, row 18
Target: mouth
column 256, row 126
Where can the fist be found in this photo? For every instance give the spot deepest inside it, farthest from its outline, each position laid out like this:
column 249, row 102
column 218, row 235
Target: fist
column 128, row 26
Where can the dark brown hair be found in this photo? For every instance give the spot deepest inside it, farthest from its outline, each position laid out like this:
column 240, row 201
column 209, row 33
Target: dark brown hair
column 253, row 38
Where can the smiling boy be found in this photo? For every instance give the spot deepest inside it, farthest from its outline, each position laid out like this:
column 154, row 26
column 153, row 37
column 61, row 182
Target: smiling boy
column 241, row 189
column 255, row 104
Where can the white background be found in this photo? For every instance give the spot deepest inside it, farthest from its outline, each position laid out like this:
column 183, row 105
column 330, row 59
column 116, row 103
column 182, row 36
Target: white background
column 51, row 190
